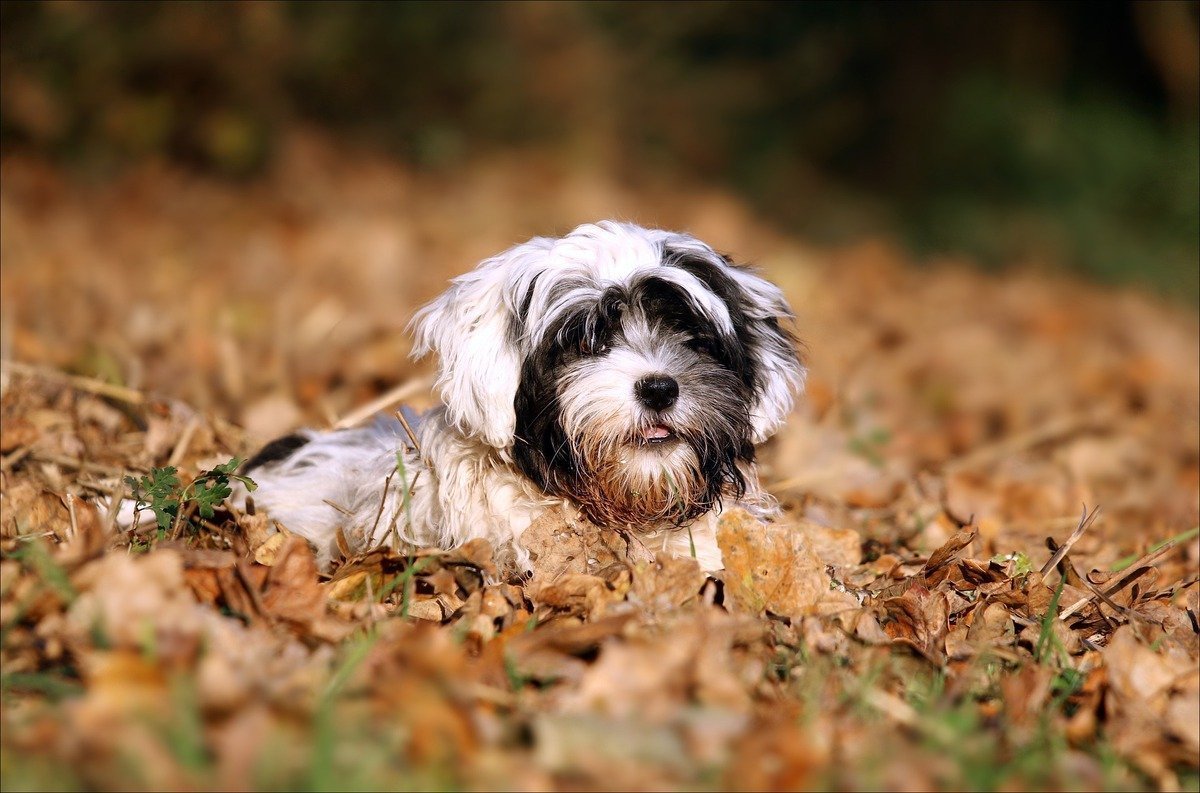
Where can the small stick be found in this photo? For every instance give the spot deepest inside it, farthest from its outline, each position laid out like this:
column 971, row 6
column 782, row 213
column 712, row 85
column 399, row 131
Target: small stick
column 412, row 436
column 339, row 508
column 185, row 440
column 114, row 504
column 82, row 465
column 255, row 595
column 1125, row 576
column 383, row 401
column 88, row 384
column 74, row 521
column 1085, row 520
column 1066, row 560
column 387, row 485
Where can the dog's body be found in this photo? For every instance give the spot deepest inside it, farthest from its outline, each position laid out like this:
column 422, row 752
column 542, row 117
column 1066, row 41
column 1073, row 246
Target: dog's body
column 623, row 372
column 459, row 490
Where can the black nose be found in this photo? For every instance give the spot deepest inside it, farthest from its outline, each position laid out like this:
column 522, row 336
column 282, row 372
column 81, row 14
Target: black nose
column 657, row 391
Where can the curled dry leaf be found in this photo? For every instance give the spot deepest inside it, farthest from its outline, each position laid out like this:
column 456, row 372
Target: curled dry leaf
column 919, row 619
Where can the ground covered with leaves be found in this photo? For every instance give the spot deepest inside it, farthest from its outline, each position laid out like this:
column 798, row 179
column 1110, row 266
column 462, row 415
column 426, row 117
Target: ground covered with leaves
column 985, row 575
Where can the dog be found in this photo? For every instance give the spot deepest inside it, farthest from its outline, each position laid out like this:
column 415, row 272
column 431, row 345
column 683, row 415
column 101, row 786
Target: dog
column 625, row 373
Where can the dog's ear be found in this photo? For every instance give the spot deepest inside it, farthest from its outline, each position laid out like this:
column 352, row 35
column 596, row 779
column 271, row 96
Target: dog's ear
column 765, row 334
column 760, row 316
column 474, row 330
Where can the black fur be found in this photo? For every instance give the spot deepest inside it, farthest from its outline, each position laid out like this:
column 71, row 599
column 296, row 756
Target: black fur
column 540, row 447
column 278, row 449
column 754, row 335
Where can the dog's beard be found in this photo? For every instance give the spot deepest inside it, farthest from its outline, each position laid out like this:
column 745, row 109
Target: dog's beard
column 630, row 484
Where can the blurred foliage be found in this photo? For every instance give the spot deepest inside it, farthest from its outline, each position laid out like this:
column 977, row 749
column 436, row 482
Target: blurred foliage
column 1043, row 131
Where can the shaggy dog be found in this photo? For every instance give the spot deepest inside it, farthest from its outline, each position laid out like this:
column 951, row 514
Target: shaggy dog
column 625, row 372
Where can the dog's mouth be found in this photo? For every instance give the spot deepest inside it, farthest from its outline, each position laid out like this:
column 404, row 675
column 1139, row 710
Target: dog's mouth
column 657, row 434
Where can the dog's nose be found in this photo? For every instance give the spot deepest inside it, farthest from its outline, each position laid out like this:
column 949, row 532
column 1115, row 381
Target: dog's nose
column 657, row 391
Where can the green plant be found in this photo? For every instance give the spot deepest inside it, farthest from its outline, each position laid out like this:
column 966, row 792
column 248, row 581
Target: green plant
column 1049, row 648
column 160, row 491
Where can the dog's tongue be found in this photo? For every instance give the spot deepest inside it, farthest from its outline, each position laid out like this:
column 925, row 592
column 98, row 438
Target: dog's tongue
column 656, row 433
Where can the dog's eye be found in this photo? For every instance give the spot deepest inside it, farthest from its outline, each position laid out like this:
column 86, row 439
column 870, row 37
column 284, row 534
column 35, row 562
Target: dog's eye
column 702, row 346
column 592, row 347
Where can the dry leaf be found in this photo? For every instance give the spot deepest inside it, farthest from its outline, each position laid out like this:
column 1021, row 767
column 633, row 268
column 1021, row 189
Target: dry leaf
column 770, row 567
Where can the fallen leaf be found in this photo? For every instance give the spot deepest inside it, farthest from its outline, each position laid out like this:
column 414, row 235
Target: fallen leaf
column 770, row 567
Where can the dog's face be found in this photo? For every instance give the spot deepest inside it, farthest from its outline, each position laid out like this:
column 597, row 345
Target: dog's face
column 632, row 370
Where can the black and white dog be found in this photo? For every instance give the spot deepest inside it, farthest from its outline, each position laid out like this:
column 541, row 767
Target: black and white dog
column 626, row 372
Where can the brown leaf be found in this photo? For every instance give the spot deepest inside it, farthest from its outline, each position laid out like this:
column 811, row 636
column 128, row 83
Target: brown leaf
column 918, row 618
column 561, row 544
column 443, row 582
column 666, row 584
column 770, row 567
column 936, row 568
column 775, row 753
column 649, row 676
column 576, row 593
column 429, row 610
column 992, row 625
column 267, row 551
column 292, row 590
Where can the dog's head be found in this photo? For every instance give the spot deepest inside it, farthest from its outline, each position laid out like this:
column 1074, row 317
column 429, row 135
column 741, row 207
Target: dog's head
column 630, row 369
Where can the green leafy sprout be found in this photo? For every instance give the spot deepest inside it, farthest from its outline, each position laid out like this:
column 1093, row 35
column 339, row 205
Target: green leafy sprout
column 161, row 491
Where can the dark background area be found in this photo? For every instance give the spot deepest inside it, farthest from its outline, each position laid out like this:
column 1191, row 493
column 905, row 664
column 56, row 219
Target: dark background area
column 1035, row 133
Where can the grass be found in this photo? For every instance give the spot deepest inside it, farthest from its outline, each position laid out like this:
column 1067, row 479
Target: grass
column 1047, row 641
column 1126, row 561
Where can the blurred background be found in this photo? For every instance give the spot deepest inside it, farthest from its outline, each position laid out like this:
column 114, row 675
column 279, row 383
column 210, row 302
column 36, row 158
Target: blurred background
column 1039, row 133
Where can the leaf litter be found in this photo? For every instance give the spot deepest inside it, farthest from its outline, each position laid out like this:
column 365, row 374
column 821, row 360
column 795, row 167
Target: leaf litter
column 929, row 611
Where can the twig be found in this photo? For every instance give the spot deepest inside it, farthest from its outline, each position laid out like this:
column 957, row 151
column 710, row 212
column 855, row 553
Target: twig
column 1066, row 560
column 412, row 436
column 1085, row 520
column 1115, row 606
column 185, row 440
column 384, row 401
column 114, row 504
column 1125, row 576
column 81, row 465
column 387, row 485
column 339, row 508
column 186, row 509
column 71, row 511
column 88, row 384
column 369, row 596
column 255, row 595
